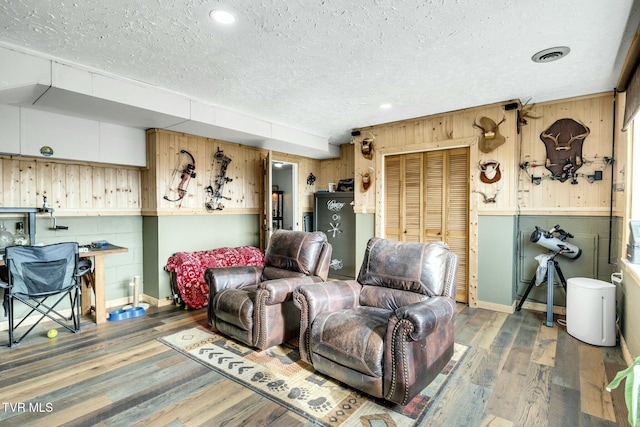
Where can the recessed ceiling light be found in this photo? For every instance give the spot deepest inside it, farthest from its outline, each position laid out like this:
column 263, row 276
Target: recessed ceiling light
column 222, row 16
column 385, row 106
column 551, row 54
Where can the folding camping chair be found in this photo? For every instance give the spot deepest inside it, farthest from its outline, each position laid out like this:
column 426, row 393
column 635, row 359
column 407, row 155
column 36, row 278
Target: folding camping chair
column 37, row 273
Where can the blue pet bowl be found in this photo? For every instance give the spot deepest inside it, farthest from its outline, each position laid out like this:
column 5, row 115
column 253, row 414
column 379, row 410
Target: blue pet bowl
column 126, row 314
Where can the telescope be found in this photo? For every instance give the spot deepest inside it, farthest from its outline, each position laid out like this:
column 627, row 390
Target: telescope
column 554, row 240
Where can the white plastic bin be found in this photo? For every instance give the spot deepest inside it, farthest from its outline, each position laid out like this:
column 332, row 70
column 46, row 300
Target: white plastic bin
column 591, row 311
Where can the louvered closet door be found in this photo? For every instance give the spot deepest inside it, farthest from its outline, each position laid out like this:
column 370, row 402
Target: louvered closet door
column 403, row 197
column 453, row 185
column 427, row 200
column 392, row 195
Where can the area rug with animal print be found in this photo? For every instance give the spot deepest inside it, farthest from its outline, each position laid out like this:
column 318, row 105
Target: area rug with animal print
column 278, row 374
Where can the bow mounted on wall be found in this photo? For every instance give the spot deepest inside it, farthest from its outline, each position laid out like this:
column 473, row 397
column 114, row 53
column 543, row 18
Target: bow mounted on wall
column 184, row 170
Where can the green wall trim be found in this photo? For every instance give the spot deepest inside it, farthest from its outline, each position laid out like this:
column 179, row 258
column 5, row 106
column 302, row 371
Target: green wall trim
column 496, row 259
column 167, row 235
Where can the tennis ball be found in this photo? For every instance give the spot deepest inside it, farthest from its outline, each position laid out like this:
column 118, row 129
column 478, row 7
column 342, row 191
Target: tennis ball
column 52, row 333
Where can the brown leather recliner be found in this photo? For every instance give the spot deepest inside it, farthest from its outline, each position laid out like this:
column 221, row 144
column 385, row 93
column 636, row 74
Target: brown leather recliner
column 254, row 304
column 391, row 331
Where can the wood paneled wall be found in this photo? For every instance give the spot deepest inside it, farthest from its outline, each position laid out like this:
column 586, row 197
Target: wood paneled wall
column 163, row 148
column 333, row 170
column 246, row 170
column 551, row 196
column 516, row 192
column 71, row 188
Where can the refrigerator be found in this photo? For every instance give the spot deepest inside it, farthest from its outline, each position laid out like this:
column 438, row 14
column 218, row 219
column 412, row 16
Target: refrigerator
column 334, row 216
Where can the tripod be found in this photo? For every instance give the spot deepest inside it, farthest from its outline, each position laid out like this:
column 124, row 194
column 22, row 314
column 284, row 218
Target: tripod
column 552, row 268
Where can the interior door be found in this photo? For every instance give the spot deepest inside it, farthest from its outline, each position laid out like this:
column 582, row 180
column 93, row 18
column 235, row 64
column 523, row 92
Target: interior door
column 403, row 197
column 447, row 207
column 267, row 220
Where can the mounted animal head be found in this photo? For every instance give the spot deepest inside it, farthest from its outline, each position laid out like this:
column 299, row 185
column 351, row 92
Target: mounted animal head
column 491, row 138
column 366, row 147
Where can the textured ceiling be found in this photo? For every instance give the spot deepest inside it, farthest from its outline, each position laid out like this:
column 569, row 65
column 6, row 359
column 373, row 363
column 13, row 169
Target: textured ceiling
column 325, row 66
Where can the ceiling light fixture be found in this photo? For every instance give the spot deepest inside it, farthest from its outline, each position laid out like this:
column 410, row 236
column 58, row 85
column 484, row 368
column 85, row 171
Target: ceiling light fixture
column 385, row 106
column 551, row 54
column 222, row 16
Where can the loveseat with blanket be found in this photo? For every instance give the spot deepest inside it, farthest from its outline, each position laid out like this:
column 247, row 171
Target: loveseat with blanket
column 186, row 271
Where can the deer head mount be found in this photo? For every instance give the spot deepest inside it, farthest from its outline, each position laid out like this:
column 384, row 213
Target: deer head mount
column 366, row 146
column 367, row 179
column 490, row 138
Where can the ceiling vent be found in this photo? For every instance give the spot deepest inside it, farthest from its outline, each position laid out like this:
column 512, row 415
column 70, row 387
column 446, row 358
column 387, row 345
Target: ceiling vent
column 551, row 54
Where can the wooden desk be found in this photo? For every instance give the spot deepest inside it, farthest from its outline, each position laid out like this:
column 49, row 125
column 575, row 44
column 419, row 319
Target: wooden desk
column 96, row 281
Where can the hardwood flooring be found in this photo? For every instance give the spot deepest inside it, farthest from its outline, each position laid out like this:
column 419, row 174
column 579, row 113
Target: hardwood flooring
column 518, row 372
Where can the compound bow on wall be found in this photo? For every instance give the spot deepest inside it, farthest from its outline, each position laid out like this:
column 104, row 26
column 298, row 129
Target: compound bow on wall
column 217, row 181
column 177, row 188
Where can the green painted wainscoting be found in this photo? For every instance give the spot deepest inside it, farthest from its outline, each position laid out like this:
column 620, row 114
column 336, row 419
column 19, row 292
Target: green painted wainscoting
column 497, row 261
column 120, row 268
column 166, row 235
column 591, row 235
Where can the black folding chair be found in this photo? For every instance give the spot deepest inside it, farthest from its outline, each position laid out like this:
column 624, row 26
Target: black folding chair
column 37, row 273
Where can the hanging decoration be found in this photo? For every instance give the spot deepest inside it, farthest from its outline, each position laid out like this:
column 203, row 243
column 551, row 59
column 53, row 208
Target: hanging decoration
column 311, row 179
column 489, row 171
column 490, row 138
column 563, row 141
column 217, row 181
column 184, row 170
column 526, row 112
column 487, row 198
column 591, row 178
column 366, row 147
column 367, row 179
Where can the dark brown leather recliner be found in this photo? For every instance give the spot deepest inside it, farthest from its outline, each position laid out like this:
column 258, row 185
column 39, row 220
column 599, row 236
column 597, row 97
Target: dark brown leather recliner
column 391, row 331
column 254, row 304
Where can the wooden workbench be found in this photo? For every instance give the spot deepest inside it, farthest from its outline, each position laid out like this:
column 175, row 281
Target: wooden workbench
column 96, row 281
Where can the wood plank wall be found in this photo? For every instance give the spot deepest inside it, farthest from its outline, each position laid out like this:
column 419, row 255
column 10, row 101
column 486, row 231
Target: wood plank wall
column 163, row 154
column 71, row 188
column 552, row 197
column 84, row 189
column 515, row 192
column 333, row 170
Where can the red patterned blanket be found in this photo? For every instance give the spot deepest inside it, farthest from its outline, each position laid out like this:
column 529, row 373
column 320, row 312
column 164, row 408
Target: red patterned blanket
column 188, row 269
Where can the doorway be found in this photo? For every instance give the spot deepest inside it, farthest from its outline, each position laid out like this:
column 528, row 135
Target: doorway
column 284, row 195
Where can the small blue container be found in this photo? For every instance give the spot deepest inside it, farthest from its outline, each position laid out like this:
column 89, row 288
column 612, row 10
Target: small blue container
column 126, row 314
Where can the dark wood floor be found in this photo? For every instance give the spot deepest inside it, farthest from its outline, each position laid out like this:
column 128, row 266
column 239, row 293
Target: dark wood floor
column 517, row 373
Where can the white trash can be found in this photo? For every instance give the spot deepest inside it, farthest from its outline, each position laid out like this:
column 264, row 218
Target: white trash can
column 591, row 311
